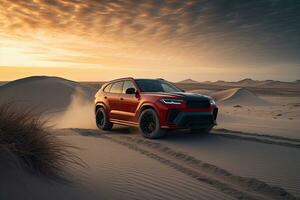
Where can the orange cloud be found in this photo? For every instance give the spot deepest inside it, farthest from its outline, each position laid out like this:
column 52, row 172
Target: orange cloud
column 169, row 34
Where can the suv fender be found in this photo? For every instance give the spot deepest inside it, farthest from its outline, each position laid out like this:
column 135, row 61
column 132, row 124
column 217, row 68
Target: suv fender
column 145, row 106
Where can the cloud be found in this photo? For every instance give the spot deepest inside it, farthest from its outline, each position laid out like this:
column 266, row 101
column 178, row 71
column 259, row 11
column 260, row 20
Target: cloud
column 260, row 30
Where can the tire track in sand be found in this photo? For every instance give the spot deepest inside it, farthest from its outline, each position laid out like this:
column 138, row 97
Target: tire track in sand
column 255, row 137
column 233, row 185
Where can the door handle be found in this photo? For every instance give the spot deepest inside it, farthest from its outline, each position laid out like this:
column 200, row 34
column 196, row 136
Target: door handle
column 121, row 98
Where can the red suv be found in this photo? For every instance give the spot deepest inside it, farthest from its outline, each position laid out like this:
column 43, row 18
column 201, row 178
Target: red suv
column 153, row 105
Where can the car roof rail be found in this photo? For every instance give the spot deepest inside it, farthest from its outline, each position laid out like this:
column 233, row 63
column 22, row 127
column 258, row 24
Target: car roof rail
column 121, row 78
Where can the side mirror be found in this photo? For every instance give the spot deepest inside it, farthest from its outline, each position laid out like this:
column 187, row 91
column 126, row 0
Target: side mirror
column 130, row 91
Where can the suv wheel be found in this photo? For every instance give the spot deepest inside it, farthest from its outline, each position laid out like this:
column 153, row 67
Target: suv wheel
column 149, row 124
column 201, row 130
column 102, row 120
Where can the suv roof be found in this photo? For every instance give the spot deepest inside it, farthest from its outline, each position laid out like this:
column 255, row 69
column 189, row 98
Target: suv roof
column 131, row 78
column 121, row 79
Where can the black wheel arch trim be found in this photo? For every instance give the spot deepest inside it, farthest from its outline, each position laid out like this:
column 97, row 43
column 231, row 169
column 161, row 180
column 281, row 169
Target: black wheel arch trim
column 147, row 105
column 100, row 104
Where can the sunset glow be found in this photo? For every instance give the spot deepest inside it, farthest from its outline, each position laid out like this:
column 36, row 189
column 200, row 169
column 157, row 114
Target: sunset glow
column 101, row 40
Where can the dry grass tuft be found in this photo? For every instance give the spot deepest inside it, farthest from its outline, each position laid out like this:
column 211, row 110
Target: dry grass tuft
column 24, row 133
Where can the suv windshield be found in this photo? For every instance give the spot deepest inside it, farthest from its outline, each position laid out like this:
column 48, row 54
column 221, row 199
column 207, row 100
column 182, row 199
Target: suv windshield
column 149, row 85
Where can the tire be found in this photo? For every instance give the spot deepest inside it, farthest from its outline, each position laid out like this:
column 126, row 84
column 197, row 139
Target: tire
column 102, row 120
column 201, row 130
column 149, row 124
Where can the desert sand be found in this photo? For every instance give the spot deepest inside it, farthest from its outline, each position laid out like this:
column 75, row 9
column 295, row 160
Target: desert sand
column 45, row 93
column 253, row 153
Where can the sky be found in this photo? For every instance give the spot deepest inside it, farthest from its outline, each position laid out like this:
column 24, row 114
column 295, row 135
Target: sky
column 173, row 39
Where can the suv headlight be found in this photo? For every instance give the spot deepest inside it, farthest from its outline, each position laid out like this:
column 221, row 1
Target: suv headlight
column 172, row 101
column 212, row 102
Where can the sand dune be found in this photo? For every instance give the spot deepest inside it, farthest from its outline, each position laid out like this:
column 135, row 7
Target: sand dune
column 274, row 164
column 188, row 81
column 242, row 83
column 238, row 96
column 17, row 183
column 258, row 84
column 118, row 172
column 184, row 166
column 197, row 157
column 248, row 82
column 277, row 84
column 47, row 93
column 3, row 83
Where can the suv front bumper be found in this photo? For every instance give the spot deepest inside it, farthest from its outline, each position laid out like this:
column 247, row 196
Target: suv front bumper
column 179, row 119
column 192, row 119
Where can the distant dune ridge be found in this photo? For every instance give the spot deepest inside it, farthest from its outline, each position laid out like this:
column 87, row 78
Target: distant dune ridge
column 3, row 82
column 249, row 83
column 47, row 93
column 238, row 96
column 188, row 81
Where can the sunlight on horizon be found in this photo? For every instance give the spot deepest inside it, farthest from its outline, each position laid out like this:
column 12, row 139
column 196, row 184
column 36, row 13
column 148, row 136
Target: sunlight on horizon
column 171, row 41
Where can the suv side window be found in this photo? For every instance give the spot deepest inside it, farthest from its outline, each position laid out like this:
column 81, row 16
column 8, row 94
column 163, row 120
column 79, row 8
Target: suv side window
column 107, row 88
column 117, row 87
column 128, row 84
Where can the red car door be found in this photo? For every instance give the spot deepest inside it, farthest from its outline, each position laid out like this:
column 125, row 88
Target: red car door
column 113, row 99
column 128, row 103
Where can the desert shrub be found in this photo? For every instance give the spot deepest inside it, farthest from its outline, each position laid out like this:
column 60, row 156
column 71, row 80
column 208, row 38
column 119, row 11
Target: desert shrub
column 24, row 133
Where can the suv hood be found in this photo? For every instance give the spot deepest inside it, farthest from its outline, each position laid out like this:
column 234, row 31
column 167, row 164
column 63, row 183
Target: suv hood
column 183, row 95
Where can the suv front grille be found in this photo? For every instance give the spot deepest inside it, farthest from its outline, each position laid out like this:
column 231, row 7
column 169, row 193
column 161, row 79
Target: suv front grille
column 198, row 104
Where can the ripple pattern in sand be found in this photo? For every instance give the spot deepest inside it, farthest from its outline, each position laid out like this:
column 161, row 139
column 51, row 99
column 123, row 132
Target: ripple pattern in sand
column 120, row 173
